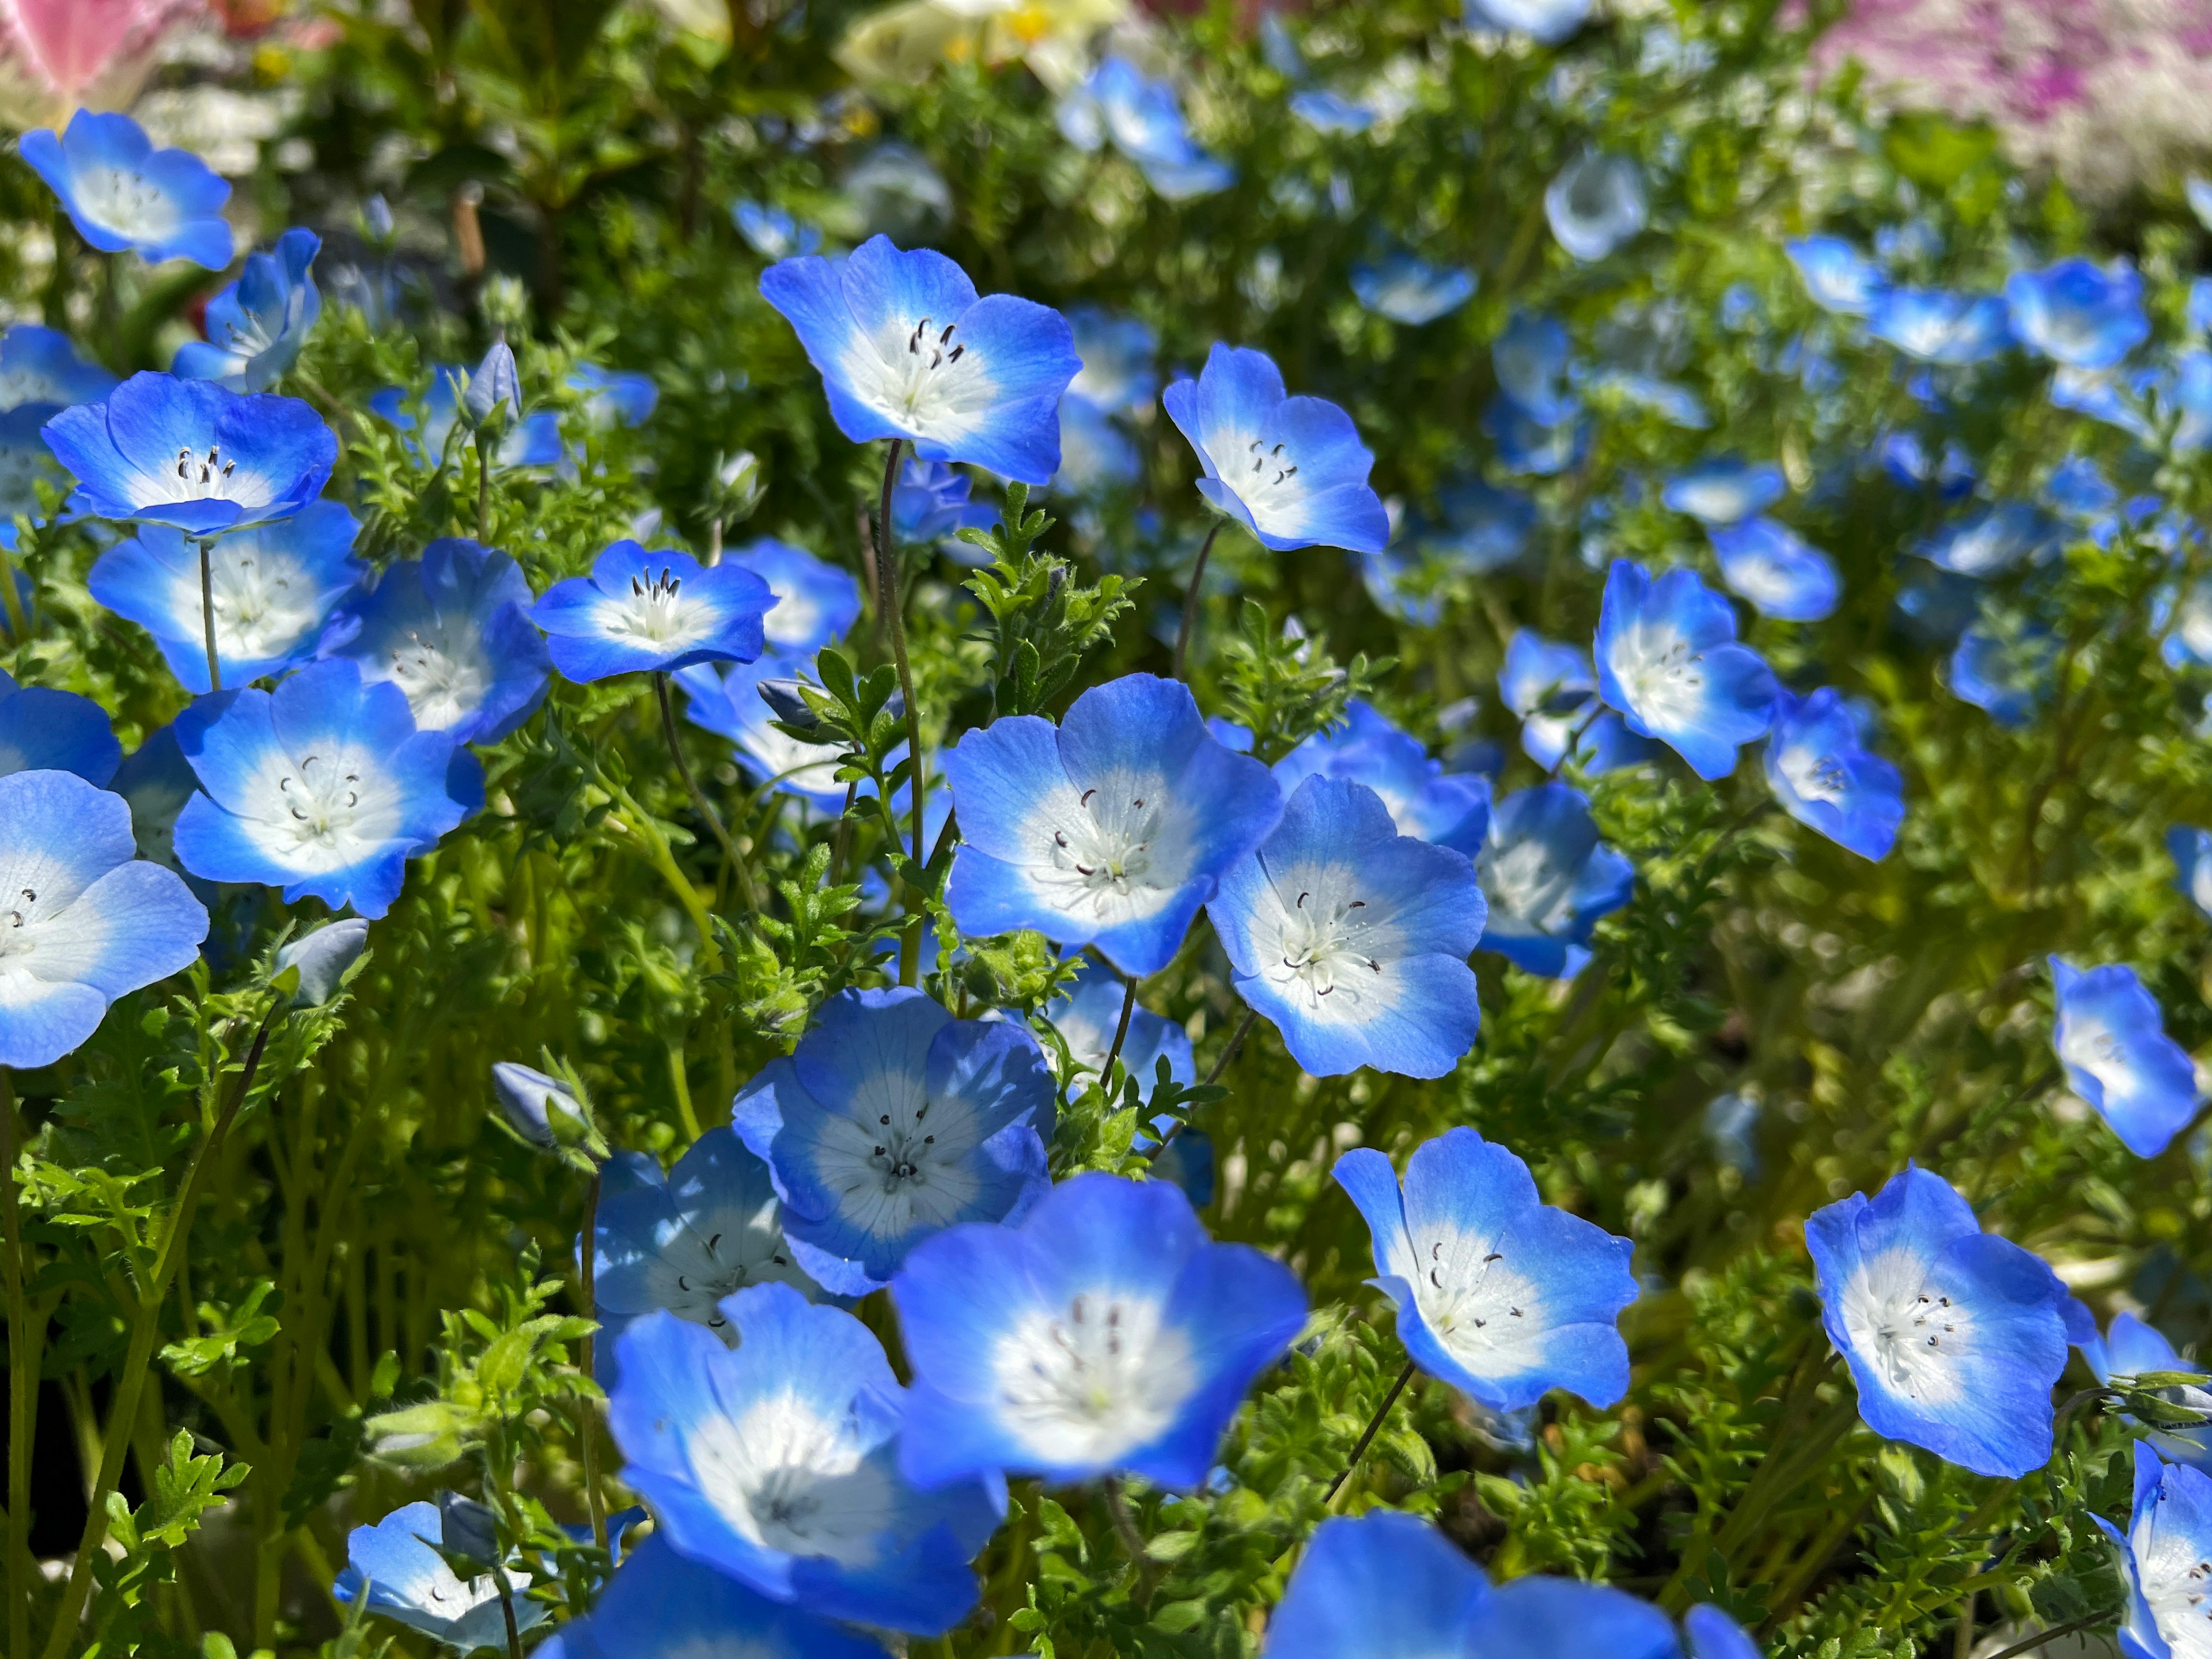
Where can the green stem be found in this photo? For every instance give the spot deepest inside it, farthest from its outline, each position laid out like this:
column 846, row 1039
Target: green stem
column 1190, row 600
column 22, row 1386
column 1132, row 1541
column 19, row 625
column 1121, row 1034
column 1237, row 1042
column 746, row 893
column 207, row 612
column 895, row 615
column 484, row 492
column 1367, row 1436
column 586, row 1248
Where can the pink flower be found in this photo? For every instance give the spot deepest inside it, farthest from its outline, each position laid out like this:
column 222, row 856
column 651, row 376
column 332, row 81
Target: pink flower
column 63, row 55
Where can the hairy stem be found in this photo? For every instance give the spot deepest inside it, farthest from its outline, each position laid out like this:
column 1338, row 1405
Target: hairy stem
column 1121, row 1034
column 1367, row 1435
column 1190, row 600
column 207, row 612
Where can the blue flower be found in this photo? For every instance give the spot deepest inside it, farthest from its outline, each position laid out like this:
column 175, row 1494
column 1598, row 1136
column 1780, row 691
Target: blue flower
column 1106, row 1332
column 640, row 612
column 1087, row 1018
column 2119, row 398
column 1939, row 327
column 396, row 1563
column 906, row 350
column 194, row 454
column 1954, row 1335
column 815, row 602
column 1675, row 404
column 1387, row 1585
column 1827, row 780
column 2078, row 314
column 2132, row 1348
column 2005, row 672
column 1553, row 689
column 1354, row 938
column 685, row 1240
column 1990, row 540
column 777, row 1463
column 1497, row 1293
column 2110, row 1036
column 1539, row 1616
column 273, row 587
column 1478, row 529
column 1776, row 569
column 1548, row 20
column 1118, row 376
column 323, row 787
column 1532, row 359
column 892, row 1121
column 725, row 699
column 1907, row 459
column 1451, row 809
column 1140, row 115
column 453, row 630
column 43, row 729
column 121, row 192
column 1096, row 456
column 1548, row 879
column 257, row 325
column 532, row 439
column 85, row 920
column 1838, row 275
column 1667, row 659
column 1527, row 445
column 1725, row 490
column 1111, row 829
column 930, row 502
column 41, row 366
column 661, row 1606
column 614, row 397
column 773, row 233
column 2192, row 860
column 2169, row 1538
column 1408, row 288
column 1330, row 112
column 1595, row 203
column 1290, row 470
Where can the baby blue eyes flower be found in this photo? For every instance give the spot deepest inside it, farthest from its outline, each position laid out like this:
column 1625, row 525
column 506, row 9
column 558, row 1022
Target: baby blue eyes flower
column 2110, row 1036
column 2191, row 849
column 777, row 1463
column 1140, row 117
column 532, row 439
column 1827, row 780
column 453, row 630
column 1118, row 376
column 83, row 921
column 1553, row 689
column 1667, row 659
column 1111, row 829
column 2079, row 313
column 2163, row 1557
column 614, row 397
column 323, row 787
column 1330, row 112
column 1480, row 529
column 930, row 503
column 1838, row 276
column 43, row 729
column 322, row 957
column 906, row 349
column 1451, row 809
column 273, row 587
column 1354, row 938
column 726, row 699
column 1087, row 1016
column 1529, row 446
column 121, row 192
column 1497, row 1293
column 1532, row 360
column 773, row 233
column 1105, row 1333
column 661, row 1606
column 1408, row 288
column 1595, row 203
column 1387, row 1585
column 1290, row 470
column 1937, row 327
column 2004, row 671
column 1548, row 880
column 41, row 366
column 1954, row 1335
column 397, row 1564
column 1776, row 569
column 1725, row 490
column 642, row 612
column 892, row 1121
column 1990, row 540
column 814, row 603
column 2132, row 1348
column 194, row 454
column 1548, row 20
column 256, row 326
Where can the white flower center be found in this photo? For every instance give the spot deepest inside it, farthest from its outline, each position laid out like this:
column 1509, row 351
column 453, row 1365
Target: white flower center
column 1103, row 855
column 263, row 606
column 1524, row 881
column 786, row 1478
column 1812, row 774
column 2088, row 1044
column 323, row 812
column 1480, row 1305
column 1663, row 677
column 127, row 202
column 653, row 611
column 441, row 669
column 210, row 476
column 1086, row 1383
column 2176, row 1579
column 1909, row 1332
column 923, row 376
column 1324, row 948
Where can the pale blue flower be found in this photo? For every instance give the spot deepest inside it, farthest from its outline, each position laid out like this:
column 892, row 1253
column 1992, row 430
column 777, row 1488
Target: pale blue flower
column 1549, row 880
column 1119, row 375
column 1387, row 1585
column 725, row 698
column 641, row 612
column 1836, row 275
column 1939, row 327
column 121, row 192
column 2131, row 1348
column 1330, row 112
column 1825, row 777
column 1528, row 446
column 1087, row 1016
column 40, row 365
column 614, row 397
column 43, row 729
column 662, row 1606
column 2005, row 672
column 1140, row 117
column 2163, row 1560
column 1990, row 540
column 2077, row 312
column 1776, row 569
column 815, row 602
column 2111, row 1037
column 930, row 503
column 1596, row 203
column 1451, row 809
column 1553, row 689
column 2192, row 860
column 1548, row 20
column 1477, row 528
column 532, row 439
column 1408, row 288
column 256, row 326
column 398, row 1566
column 1667, row 659
column 773, row 233
column 1725, row 490
column 1532, row 359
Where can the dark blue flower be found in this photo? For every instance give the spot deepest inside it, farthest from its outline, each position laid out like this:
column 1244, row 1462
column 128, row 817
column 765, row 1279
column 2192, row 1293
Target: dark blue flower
column 1596, row 203
column 323, row 787
column 661, row 1605
column 256, row 326
column 1354, row 938
column 194, row 454
column 43, row 729
column 930, row 503
column 1451, row 809
column 1408, row 288
column 1106, row 1332
column 2079, row 313
column 1939, row 327
column 2111, row 1037
column 273, row 586
column 2004, row 671
column 640, row 612
column 1908, row 461
column 892, row 1121
column 1776, row 568
column 1111, row 829
column 1548, row 879
column 121, row 192
column 1954, row 1335
column 84, row 920
column 453, row 631
column 1532, row 359
column 776, row 1463
column 1827, row 780
column 1141, row 117
column 1667, row 659
column 906, row 349
column 1290, row 470
column 1527, row 445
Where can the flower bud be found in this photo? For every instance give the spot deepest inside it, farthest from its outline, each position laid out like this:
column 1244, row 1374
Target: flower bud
column 322, row 958
column 785, row 702
column 495, row 388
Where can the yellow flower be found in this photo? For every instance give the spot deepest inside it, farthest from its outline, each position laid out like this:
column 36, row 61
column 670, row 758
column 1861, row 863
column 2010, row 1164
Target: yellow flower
column 904, row 43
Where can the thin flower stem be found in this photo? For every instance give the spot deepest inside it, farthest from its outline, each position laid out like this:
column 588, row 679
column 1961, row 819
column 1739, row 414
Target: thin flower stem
column 1237, row 1042
column 738, row 865
column 23, row 1387
column 483, row 491
column 1190, row 600
column 1367, row 1436
column 207, row 612
column 507, row 1611
column 11, row 602
column 2087, row 1621
column 1121, row 1034
column 895, row 617
column 586, row 1423
column 1132, row 1541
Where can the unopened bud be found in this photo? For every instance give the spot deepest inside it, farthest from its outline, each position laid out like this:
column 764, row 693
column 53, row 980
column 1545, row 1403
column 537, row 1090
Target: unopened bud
column 322, row 958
